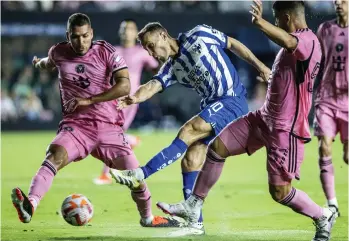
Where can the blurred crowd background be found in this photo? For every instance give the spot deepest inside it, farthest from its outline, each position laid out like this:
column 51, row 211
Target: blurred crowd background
column 31, row 100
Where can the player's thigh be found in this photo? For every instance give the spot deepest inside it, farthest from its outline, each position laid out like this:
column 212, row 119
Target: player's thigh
column 195, row 129
column 77, row 138
column 285, row 155
column 113, row 148
column 222, row 112
column 195, row 156
column 325, row 123
column 240, row 136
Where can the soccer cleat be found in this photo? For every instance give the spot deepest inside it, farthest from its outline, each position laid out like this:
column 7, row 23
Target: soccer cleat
column 122, row 178
column 189, row 209
column 333, row 207
column 22, row 204
column 192, row 229
column 324, row 225
column 162, row 222
column 104, row 179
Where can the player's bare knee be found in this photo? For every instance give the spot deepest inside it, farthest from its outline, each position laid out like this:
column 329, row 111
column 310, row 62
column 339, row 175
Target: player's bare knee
column 57, row 155
column 218, row 147
column 278, row 193
column 325, row 148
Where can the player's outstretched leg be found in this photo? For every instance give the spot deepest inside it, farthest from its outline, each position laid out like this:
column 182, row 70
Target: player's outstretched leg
column 56, row 159
column 327, row 172
column 300, row 202
column 190, row 209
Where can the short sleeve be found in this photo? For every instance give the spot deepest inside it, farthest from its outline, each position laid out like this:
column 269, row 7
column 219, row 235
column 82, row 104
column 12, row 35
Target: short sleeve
column 304, row 48
column 210, row 35
column 166, row 75
column 116, row 62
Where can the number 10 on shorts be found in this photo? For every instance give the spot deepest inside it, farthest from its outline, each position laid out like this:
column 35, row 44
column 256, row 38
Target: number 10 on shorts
column 215, row 107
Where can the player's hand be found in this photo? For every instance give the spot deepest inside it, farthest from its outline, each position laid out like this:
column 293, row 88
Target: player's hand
column 264, row 75
column 74, row 103
column 257, row 11
column 126, row 101
column 35, row 62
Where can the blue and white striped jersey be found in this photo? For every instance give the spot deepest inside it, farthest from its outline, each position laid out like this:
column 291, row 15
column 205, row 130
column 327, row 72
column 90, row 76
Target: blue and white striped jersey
column 202, row 64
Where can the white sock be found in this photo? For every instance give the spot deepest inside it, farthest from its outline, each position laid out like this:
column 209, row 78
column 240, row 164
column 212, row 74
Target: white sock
column 333, row 202
column 33, row 202
column 139, row 174
column 148, row 220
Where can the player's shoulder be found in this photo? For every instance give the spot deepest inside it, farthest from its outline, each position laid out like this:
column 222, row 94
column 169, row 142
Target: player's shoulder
column 327, row 25
column 103, row 46
column 60, row 46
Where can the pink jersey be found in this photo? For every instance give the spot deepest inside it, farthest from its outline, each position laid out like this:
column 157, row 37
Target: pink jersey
column 136, row 59
column 333, row 89
column 88, row 75
column 290, row 86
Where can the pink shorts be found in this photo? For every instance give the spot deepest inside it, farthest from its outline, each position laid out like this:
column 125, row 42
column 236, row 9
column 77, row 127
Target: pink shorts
column 129, row 114
column 103, row 141
column 328, row 122
column 284, row 151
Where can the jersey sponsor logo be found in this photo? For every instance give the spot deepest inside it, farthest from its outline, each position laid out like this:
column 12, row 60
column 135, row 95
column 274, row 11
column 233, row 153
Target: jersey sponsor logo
column 81, row 82
column 80, row 68
column 338, row 63
column 197, row 76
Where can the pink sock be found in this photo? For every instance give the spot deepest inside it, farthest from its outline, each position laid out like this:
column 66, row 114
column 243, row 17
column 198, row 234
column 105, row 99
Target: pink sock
column 143, row 200
column 105, row 170
column 209, row 174
column 41, row 183
column 301, row 203
column 327, row 177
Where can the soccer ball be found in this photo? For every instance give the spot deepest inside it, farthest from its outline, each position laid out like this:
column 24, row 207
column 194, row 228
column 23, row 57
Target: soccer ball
column 77, row 210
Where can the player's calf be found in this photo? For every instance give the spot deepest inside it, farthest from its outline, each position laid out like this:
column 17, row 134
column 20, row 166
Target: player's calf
column 345, row 152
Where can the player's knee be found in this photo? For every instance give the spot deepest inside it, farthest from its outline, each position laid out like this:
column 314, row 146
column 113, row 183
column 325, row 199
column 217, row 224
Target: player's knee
column 57, row 155
column 325, row 149
column 279, row 193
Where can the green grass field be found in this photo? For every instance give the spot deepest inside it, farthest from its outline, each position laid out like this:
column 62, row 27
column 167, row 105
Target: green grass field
column 238, row 208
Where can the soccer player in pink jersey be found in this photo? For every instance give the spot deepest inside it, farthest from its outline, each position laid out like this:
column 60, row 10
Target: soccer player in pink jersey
column 331, row 102
column 281, row 125
column 91, row 123
column 136, row 59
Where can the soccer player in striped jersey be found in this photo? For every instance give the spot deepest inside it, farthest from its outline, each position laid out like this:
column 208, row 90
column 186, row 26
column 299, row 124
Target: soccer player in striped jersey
column 196, row 59
column 281, row 124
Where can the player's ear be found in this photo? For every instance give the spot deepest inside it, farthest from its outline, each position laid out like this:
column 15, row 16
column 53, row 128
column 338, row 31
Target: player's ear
column 163, row 35
column 91, row 33
column 288, row 18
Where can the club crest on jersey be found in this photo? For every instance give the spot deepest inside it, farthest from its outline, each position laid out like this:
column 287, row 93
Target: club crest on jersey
column 197, row 48
column 339, row 47
column 80, row 69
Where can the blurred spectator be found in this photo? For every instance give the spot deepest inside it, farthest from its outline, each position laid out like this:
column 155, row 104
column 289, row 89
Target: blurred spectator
column 22, row 88
column 31, row 107
column 43, row 87
column 8, row 109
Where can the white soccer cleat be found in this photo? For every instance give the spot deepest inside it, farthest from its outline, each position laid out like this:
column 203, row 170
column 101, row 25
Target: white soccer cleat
column 189, row 210
column 324, row 225
column 192, row 229
column 123, row 178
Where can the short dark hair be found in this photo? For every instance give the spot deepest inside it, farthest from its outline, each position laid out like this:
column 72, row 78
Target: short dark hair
column 150, row 27
column 288, row 5
column 78, row 19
